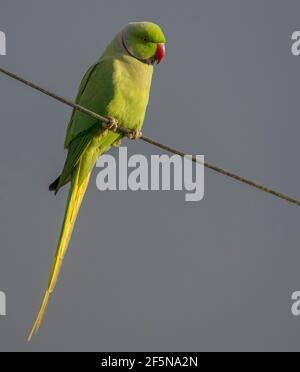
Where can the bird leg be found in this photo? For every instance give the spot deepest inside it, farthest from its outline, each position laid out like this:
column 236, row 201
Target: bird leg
column 112, row 124
column 135, row 134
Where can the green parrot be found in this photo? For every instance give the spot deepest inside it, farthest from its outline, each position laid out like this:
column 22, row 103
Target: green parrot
column 117, row 86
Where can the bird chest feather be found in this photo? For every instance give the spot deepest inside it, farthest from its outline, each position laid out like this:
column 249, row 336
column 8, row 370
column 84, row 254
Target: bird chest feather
column 132, row 82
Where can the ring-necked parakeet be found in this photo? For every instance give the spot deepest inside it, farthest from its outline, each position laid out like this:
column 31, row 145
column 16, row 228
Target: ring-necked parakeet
column 117, row 86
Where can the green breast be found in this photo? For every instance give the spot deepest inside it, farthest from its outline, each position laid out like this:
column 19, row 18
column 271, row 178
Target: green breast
column 132, row 83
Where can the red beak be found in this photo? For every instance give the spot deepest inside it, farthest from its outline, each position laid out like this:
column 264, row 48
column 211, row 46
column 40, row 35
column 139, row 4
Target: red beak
column 160, row 52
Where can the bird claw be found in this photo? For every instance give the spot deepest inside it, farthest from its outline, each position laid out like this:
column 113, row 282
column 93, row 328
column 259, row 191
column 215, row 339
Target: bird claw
column 112, row 124
column 135, row 134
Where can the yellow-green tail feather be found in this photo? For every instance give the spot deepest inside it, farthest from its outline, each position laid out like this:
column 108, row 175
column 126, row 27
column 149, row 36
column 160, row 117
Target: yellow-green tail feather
column 76, row 194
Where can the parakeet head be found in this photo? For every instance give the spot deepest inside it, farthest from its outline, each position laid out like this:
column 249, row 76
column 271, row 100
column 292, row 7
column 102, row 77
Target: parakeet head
column 144, row 41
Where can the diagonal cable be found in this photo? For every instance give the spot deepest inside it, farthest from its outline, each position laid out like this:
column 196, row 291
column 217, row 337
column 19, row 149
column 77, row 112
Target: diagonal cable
column 126, row 131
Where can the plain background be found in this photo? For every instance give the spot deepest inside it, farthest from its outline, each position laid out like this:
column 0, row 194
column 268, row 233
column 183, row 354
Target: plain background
column 147, row 271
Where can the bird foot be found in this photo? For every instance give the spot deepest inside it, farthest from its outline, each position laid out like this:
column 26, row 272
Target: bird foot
column 135, row 134
column 112, row 124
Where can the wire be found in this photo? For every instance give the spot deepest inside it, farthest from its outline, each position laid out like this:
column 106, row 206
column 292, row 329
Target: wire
column 126, row 131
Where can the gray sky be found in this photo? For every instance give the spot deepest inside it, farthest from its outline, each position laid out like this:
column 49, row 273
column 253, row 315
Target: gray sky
column 147, row 271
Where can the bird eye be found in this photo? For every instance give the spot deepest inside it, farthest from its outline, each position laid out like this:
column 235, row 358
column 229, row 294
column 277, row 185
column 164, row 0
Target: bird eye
column 145, row 39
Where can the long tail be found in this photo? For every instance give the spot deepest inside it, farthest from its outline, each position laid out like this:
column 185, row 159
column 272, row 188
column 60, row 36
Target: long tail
column 75, row 197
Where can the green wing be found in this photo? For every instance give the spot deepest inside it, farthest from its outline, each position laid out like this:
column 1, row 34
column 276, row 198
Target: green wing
column 95, row 93
column 77, row 148
column 82, row 87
